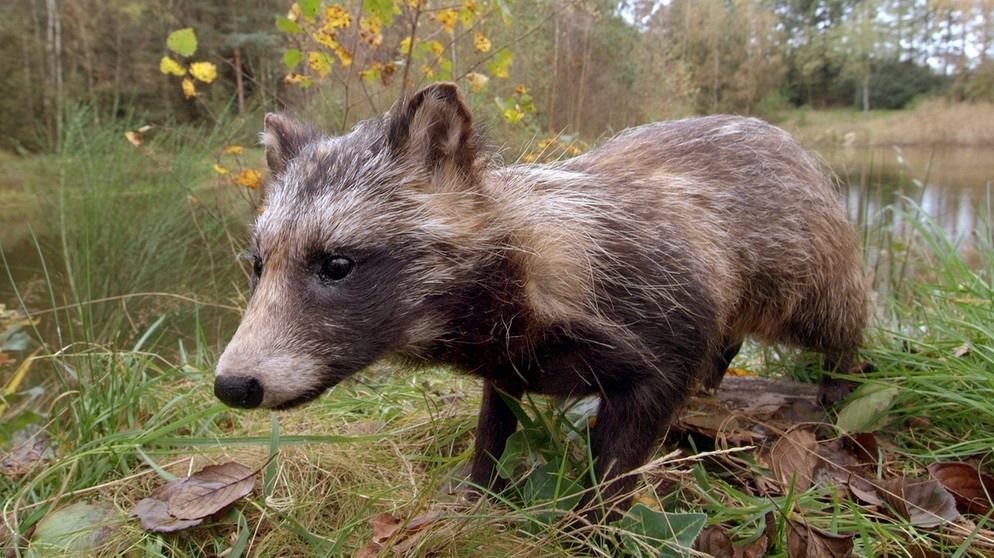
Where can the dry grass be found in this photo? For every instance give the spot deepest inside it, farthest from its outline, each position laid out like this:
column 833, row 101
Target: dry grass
column 933, row 122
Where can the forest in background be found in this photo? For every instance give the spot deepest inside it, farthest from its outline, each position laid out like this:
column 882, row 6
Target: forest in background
column 587, row 67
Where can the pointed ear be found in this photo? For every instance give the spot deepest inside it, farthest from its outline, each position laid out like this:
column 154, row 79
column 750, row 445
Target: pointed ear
column 435, row 125
column 283, row 138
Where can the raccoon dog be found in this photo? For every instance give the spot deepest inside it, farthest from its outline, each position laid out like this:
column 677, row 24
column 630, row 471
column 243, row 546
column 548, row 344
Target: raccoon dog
column 630, row 272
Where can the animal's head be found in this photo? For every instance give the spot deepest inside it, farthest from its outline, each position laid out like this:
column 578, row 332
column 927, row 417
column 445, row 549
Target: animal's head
column 362, row 240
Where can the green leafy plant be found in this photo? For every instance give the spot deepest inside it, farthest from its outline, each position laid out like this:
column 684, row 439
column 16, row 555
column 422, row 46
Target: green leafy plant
column 183, row 43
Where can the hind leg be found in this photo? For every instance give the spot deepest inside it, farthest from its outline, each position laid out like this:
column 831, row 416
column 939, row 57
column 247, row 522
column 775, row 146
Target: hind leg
column 833, row 389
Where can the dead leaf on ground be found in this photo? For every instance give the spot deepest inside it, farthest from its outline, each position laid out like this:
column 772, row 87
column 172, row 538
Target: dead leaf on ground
column 837, row 461
column 387, row 531
column 716, row 541
column 920, row 551
column 744, row 409
column 923, row 502
column 971, row 488
column 794, row 459
column 865, row 491
column 863, row 446
column 846, row 457
column 22, row 458
column 806, row 541
column 211, row 489
column 187, row 501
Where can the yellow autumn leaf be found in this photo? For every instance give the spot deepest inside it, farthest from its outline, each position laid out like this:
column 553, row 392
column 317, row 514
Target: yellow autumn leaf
column 372, row 72
column 436, row 48
column 336, row 17
column 319, row 62
column 204, row 71
column 248, row 178
column 371, row 31
column 500, row 65
column 295, row 12
column 326, row 39
column 344, row 55
column 468, row 13
column 169, row 66
column 477, row 81
column 405, row 46
column 294, row 78
column 188, row 89
column 234, row 150
column 220, row 170
column 480, row 42
column 134, row 138
column 521, row 89
column 448, row 19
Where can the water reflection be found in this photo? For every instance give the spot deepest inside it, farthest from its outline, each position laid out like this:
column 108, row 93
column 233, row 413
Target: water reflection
column 951, row 185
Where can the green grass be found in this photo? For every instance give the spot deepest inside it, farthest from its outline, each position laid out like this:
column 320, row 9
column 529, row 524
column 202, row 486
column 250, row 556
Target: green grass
column 119, row 400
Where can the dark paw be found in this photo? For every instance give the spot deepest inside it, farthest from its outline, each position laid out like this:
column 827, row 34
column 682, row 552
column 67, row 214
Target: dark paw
column 833, row 391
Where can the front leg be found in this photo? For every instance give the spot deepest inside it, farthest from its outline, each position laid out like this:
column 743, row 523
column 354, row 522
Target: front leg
column 496, row 424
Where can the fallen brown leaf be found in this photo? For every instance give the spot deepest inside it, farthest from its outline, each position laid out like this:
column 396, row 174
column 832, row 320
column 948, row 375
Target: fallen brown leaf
column 865, row 491
column 923, row 502
column 153, row 512
column 384, row 527
column 387, row 531
column 806, row 541
column 716, row 542
column 794, row 458
column 847, row 457
column 22, row 458
column 864, row 448
column 211, row 489
column 187, row 501
column 971, row 488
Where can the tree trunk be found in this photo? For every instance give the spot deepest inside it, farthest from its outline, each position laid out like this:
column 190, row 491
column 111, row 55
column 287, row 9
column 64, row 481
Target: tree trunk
column 866, row 95
column 239, row 83
column 54, row 94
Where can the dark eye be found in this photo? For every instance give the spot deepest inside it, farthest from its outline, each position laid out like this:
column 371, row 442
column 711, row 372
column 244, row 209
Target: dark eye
column 256, row 268
column 335, row 268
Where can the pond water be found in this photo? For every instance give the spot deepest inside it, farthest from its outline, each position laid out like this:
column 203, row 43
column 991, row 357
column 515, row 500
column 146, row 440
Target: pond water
column 951, row 185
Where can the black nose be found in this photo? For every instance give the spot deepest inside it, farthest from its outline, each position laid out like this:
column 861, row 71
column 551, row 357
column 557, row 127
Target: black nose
column 238, row 391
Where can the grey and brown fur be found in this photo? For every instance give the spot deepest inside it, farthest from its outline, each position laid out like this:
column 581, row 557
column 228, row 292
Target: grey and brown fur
column 628, row 272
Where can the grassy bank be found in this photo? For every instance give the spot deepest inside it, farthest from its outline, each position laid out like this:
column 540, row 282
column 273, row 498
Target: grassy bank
column 932, row 122
column 119, row 341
